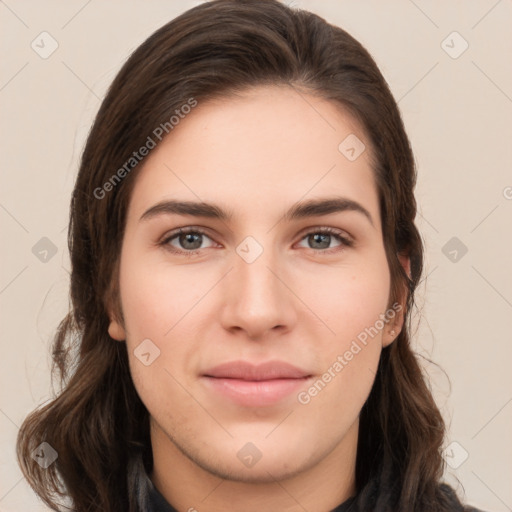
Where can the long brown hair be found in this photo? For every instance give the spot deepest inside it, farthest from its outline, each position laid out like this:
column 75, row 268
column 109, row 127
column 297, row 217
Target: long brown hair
column 97, row 423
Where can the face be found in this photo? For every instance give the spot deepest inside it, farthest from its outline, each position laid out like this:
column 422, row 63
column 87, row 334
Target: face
column 295, row 298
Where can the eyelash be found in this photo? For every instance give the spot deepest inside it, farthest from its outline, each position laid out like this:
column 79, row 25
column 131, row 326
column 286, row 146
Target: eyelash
column 345, row 241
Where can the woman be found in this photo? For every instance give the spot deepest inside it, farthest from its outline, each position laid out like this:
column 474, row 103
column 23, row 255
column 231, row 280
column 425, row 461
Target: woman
column 254, row 369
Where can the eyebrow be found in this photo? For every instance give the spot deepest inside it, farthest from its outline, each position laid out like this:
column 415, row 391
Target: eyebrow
column 301, row 210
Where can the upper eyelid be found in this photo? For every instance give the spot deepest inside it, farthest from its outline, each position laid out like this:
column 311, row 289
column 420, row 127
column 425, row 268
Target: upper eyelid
column 185, row 230
column 334, row 231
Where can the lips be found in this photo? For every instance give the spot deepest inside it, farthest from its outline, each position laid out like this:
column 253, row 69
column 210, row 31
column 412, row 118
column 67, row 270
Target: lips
column 266, row 371
column 251, row 385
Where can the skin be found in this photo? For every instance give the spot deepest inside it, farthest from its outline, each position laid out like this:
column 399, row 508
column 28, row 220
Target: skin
column 255, row 155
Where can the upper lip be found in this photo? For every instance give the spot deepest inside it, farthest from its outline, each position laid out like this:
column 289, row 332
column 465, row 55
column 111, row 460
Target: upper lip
column 265, row 371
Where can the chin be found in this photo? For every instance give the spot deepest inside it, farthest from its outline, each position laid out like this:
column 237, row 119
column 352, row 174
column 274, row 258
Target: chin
column 263, row 471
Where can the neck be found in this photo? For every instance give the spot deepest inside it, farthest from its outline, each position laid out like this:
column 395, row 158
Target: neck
column 188, row 486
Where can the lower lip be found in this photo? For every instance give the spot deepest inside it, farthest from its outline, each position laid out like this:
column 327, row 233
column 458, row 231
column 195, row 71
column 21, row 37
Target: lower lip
column 250, row 393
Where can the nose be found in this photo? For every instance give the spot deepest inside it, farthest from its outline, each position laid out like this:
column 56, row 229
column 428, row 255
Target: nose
column 259, row 300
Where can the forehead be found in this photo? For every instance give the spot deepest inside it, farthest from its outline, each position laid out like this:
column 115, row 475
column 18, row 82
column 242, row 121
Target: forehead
column 266, row 147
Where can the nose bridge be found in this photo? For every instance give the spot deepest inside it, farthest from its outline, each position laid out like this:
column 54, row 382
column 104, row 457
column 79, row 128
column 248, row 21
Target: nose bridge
column 257, row 298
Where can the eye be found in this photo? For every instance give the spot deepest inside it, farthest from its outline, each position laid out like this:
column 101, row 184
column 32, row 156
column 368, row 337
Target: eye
column 189, row 240
column 320, row 239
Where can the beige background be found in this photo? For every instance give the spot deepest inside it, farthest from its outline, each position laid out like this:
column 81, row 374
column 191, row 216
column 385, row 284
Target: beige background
column 458, row 115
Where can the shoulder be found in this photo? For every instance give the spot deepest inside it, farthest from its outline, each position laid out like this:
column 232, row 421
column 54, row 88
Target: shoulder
column 450, row 499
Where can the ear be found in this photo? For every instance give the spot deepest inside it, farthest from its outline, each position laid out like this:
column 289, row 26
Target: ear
column 405, row 262
column 394, row 326
column 116, row 330
column 114, row 309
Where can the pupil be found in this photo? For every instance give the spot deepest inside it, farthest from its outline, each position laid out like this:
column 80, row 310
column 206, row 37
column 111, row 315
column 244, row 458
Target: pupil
column 320, row 237
column 189, row 237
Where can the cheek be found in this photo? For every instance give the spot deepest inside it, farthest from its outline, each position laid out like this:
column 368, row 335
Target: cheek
column 350, row 353
column 157, row 298
column 351, row 307
column 346, row 299
column 161, row 304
